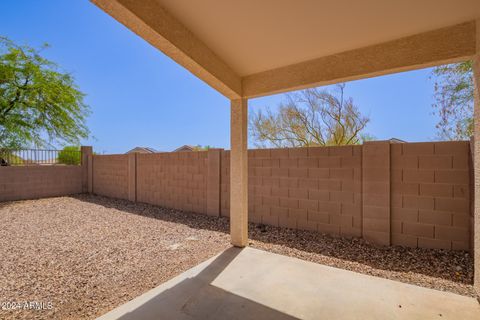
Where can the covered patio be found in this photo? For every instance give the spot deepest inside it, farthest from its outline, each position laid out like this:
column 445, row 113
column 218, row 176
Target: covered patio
column 250, row 49
column 278, row 287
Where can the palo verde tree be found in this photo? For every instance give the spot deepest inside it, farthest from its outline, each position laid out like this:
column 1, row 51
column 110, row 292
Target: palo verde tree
column 454, row 100
column 312, row 117
column 39, row 104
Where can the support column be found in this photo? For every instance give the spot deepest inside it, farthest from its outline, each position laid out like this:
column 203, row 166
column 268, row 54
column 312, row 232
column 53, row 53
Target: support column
column 476, row 164
column 238, row 173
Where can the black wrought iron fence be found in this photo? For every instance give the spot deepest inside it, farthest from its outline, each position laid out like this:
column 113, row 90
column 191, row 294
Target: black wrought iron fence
column 36, row 157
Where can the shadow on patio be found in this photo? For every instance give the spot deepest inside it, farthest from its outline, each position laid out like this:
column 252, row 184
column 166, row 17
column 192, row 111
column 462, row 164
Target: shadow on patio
column 254, row 284
column 194, row 297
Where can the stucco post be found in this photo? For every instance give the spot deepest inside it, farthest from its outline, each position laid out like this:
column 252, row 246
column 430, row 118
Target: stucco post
column 476, row 227
column 238, row 173
column 86, row 151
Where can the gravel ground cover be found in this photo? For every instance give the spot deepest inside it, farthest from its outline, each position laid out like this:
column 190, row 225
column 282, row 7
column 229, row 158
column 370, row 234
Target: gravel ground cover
column 437, row 269
column 87, row 254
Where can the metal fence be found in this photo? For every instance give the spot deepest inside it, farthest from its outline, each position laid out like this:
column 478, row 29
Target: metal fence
column 38, row 157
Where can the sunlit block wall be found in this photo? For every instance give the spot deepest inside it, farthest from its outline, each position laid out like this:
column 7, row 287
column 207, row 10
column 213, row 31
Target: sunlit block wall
column 30, row 182
column 410, row 194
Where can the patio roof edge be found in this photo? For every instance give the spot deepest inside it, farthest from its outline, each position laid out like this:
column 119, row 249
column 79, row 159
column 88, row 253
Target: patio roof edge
column 446, row 45
column 155, row 25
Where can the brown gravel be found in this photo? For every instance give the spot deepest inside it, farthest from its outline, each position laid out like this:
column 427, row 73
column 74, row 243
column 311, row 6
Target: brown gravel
column 437, row 269
column 89, row 254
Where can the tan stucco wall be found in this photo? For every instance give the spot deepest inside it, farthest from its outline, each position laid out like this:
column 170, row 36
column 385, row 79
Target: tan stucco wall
column 446, row 45
column 239, row 172
column 476, row 240
column 153, row 23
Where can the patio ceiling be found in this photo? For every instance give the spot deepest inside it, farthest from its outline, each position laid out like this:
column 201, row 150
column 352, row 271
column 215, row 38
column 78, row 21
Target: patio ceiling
column 254, row 48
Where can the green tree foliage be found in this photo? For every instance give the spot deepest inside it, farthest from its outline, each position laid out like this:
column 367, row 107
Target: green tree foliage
column 69, row 155
column 39, row 104
column 312, row 117
column 454, row 100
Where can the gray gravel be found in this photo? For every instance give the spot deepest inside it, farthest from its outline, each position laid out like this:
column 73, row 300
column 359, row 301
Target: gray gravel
column 89, row 254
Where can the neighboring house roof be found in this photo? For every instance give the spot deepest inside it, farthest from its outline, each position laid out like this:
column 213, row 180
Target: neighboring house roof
column 142, row 150
column 184, row 148
column 395, row 140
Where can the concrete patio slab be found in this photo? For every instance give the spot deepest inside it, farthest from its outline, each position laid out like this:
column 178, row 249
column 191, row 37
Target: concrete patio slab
column 254, row 284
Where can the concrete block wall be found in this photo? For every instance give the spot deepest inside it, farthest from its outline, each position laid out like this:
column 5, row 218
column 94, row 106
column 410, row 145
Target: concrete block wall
column 30, row 182
column 110, row 175
column 410, row 194
column 430, row 186
column 176, row 180
column 87, row 153
column 376, row 191
column 214, row 158
column 39, row 181
column 315, row 189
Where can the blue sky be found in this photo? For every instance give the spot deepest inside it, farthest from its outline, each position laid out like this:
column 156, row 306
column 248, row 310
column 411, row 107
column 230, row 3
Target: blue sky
column 140, row 97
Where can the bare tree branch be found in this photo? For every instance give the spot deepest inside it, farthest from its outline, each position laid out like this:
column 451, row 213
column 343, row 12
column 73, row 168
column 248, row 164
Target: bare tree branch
column 312, row 117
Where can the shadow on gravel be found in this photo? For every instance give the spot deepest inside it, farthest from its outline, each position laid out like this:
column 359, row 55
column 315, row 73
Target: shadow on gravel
column 456, row 266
